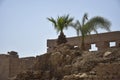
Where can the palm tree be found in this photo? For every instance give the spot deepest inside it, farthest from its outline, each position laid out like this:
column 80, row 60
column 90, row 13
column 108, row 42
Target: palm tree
column 90, row 25
column 61, row 23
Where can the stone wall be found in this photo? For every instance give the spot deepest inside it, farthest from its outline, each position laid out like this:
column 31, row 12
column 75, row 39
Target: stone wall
column 4, row 66
column 101, row 41
column 11, row 64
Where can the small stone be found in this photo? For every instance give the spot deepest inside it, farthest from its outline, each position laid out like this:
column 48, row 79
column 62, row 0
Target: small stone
column 92, row 73
column 84, row 75
column 107, row 54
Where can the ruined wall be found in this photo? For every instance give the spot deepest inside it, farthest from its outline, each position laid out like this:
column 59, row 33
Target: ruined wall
column 11, row 64
column 101, row 40
column 4, row 67
column 14, row 63
column 27, row 63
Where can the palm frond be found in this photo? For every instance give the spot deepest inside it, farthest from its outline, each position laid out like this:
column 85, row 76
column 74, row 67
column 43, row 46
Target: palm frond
column 53, row 21
column 77, row 26
column 96, row 22
column 62, row 22
column 85, row 17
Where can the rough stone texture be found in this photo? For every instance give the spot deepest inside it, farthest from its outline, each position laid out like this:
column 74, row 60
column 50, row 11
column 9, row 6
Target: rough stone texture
column 101, row 40
column 4, row 67
column 68, row 63
column 11, row 64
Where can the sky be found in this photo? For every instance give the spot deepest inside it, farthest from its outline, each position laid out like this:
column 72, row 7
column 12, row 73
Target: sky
column 24, row 27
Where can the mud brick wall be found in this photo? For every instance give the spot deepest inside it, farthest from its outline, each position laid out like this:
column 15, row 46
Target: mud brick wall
column 101, row 40
column 4, row 67
column 11, row 64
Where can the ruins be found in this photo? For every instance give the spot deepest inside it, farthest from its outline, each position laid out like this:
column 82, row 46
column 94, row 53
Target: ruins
column 100, row 41
column 11, row 64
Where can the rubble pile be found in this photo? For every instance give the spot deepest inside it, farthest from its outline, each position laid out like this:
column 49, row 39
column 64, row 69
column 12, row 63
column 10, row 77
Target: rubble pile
column 66, row 62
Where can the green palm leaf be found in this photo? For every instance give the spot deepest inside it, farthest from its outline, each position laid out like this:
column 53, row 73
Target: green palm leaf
column 90, row 25
column 61, row 23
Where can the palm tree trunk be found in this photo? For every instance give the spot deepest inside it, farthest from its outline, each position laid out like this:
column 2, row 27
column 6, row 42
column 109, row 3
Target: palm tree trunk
column 83, row 43
column 61, row 38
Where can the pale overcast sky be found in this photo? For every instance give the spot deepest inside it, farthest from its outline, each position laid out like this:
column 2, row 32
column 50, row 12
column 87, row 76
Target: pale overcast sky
column 25, row 29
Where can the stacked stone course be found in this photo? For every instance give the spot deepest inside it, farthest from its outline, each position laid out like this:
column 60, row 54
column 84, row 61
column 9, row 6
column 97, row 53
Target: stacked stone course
column 11, row 65
column 101, row 40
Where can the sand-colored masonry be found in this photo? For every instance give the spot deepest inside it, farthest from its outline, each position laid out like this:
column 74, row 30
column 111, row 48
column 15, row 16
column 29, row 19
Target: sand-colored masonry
column 11, row 64
column 102, row 41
